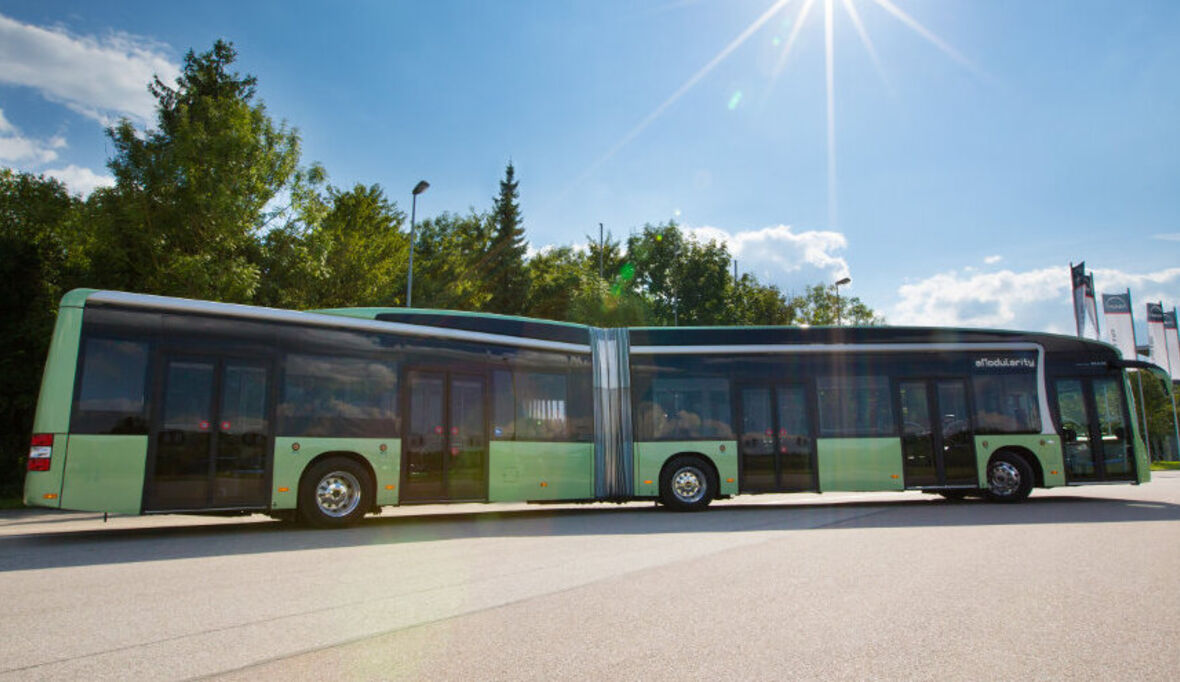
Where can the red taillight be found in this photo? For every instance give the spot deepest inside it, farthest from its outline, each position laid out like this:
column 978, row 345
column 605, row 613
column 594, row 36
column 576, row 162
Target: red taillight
column 41, row 452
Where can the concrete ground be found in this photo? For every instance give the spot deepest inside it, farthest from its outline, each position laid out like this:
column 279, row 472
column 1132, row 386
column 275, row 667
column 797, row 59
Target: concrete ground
column 1077, row 582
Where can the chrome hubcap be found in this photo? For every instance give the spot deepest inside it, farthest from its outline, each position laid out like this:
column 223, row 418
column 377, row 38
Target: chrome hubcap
column 688, row 484
column 1003, row 478
column 338, row 494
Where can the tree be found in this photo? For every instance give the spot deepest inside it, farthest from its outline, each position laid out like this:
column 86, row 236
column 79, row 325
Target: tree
column 190, row 196
column 451, row 262
column 507, row 278
column 687, row 282
column 41, row 256
column 818, row 304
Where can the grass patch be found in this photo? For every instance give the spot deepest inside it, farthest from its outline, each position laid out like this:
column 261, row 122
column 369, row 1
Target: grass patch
column 1165, row 466
column 11, row 503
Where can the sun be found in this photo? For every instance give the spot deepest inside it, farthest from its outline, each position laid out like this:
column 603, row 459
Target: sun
column 802, row 9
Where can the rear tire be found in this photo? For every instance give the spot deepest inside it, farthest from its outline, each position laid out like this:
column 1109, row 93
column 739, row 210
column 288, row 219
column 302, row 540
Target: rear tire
column 1009, row 478
column 687, row 484
column 335, row 492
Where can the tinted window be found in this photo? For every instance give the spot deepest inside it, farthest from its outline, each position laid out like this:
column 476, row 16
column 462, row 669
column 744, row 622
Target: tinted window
column 541, row 406
column 503, row 406
column 854, row 406
column 686, row 409
column 1007, row 403
column 112, row 387
column 329, row 396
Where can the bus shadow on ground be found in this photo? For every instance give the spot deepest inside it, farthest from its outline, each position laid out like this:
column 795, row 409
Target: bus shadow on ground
column 55, row 549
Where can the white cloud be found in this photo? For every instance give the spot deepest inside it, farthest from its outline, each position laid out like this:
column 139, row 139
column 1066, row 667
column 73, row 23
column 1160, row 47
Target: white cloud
column 1168, row 237
column 102, row 78
column 779, row 255
column 1036, row 300
column 80, row 180
column 19, row 150
column 992, row 260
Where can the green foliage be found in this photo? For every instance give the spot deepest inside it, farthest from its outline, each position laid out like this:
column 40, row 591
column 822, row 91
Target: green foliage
column 190, row 195
column 451, row 260
column 41, row 254
column 818, row 306
column 1160, row 407
column 505, row 259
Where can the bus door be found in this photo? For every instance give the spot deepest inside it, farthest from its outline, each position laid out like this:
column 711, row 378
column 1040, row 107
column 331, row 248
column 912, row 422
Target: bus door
column 445, row 451
column 777, row 443
column 937, row 441
column 210, row 434
column 1092, row 413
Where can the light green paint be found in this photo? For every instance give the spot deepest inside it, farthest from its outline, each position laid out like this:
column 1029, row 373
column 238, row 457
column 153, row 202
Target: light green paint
column 57, row 380
column 76, row 298
column 651, row 456
column 522, row 471
column 290, row 463
column 1045, row 447
column 860, row 464
column 38, row 484
column 104, row 473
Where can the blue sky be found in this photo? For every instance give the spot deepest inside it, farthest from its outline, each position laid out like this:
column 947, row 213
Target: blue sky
column 965, row 159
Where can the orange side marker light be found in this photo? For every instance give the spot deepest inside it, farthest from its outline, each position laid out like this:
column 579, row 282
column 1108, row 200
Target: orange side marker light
column 729, row 480
column 50, row 496
column 389, row 487
column 647, row 483
column 894, row 476
column 284, row 490
column 544, row 484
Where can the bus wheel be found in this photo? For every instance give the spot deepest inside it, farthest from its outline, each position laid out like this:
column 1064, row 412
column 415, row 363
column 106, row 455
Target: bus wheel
column 687, row 484
column 1009, row 478
column 335, row 492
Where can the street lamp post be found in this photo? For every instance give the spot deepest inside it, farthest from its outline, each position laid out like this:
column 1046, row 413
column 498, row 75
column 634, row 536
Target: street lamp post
column 418, row 189
column 840, row 283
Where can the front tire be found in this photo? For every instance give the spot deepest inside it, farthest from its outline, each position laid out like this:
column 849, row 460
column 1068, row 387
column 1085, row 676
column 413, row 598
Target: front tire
column 687, row 484
column 1009, row 478
column 335, row 492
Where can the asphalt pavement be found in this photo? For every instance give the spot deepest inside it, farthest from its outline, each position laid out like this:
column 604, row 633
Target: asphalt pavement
column 1081, row 583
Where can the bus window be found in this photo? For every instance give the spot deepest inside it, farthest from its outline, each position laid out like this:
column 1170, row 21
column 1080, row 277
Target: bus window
column 688, row 409
column 1007, row 403
column 111, row 392
column 541, row 405
column 854, row 406
column 333, row 396
column 503, row 406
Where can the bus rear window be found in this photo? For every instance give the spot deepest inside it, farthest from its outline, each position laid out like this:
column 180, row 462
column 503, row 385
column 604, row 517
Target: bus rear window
column 111, row 391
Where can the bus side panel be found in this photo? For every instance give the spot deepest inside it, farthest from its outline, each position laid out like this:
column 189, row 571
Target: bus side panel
column 522, row 471
column 1045, row 447
column 650, row 458
column 57, row 381
column 860, row 464
column 290, row 462
column 104, row 473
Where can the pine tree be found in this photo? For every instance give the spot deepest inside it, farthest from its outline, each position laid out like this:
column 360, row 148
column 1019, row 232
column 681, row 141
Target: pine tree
column 507, row 279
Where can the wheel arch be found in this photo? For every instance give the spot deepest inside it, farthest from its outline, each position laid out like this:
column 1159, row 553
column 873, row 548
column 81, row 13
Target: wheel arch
column 344, row 454
column 694, row 454
column 1028, row 456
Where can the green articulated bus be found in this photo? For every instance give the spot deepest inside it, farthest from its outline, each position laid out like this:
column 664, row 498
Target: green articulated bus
column 156, row 405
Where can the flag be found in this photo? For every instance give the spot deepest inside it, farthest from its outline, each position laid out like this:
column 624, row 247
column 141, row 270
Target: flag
column 1120, row 323
column 1155, row 335
column 1092, row 305
column 1172, row 342
column 1077, row 273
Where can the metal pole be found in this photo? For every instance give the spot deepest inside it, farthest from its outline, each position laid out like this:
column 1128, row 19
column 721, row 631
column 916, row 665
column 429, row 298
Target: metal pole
column 600, row 245
column 410, row 279
column 838, row 323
